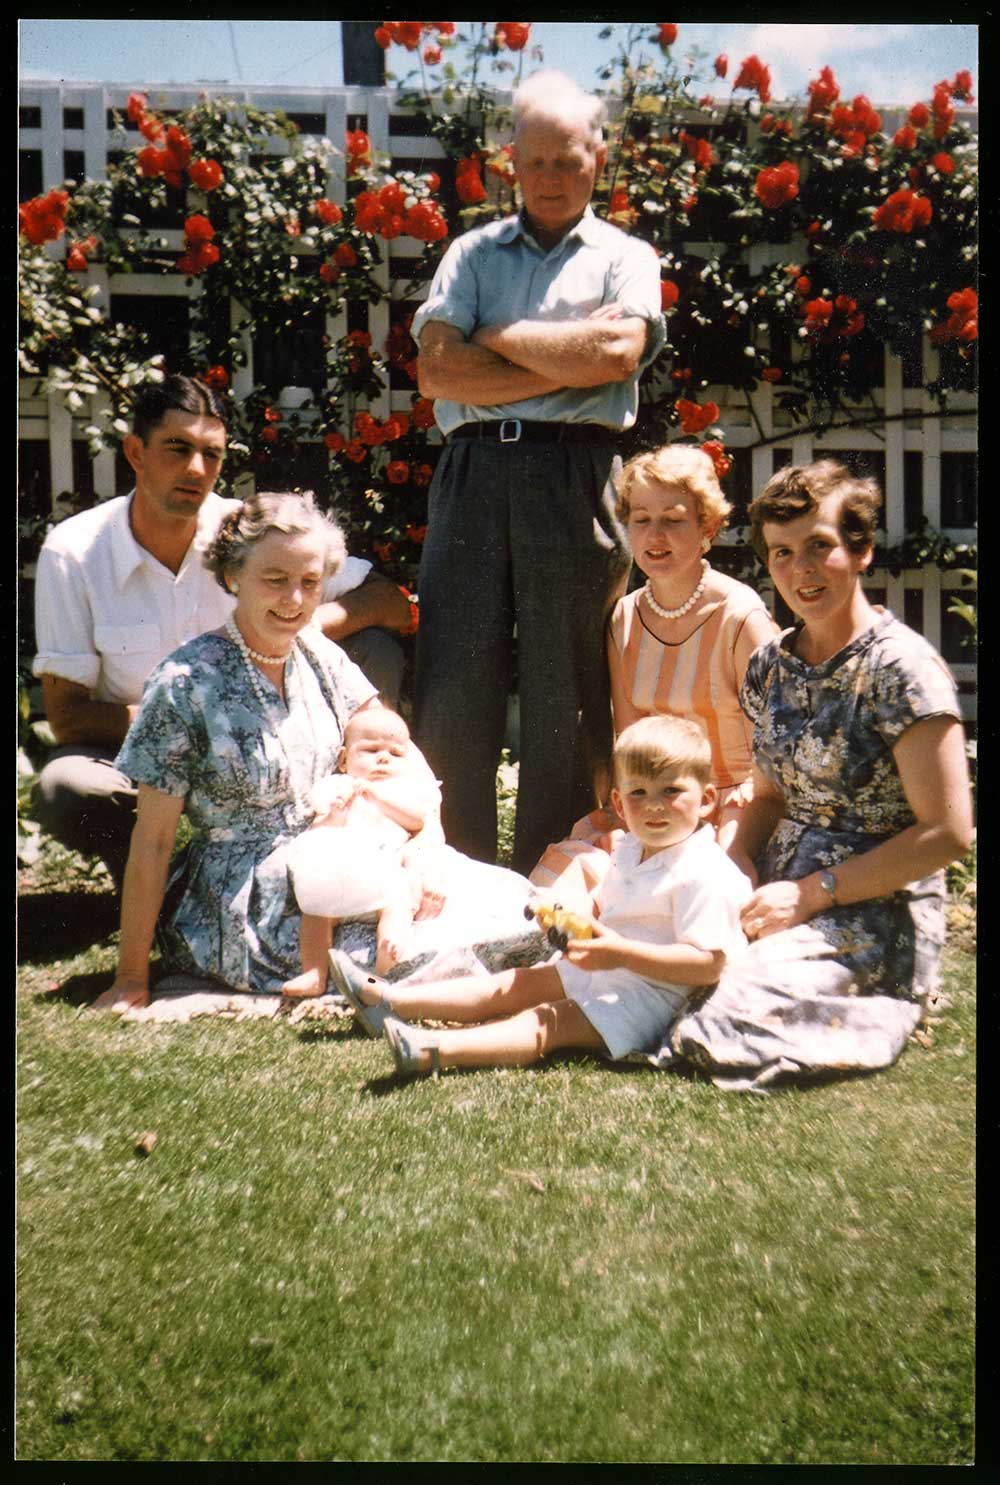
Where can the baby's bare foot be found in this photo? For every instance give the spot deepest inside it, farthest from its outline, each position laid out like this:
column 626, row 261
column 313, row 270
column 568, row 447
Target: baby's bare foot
column 305, row 986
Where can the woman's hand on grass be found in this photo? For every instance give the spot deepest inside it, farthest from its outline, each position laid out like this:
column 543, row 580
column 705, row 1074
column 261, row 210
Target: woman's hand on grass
column 125, row 994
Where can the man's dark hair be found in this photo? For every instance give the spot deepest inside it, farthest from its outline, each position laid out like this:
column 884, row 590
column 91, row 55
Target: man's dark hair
column 174, row 394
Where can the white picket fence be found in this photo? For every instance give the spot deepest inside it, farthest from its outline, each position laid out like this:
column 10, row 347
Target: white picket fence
column 72, row 120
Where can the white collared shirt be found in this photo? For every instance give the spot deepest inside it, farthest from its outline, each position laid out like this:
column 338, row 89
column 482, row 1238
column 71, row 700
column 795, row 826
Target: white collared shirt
column 690, row 893
column 107, row 612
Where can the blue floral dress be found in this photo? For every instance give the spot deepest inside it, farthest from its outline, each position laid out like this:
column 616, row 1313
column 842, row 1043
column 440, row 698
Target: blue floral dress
column 845, row 990
column 244, row 771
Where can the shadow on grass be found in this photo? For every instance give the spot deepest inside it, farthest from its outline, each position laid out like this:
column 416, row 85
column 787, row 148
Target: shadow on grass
column 80, row 990
column 56, row 925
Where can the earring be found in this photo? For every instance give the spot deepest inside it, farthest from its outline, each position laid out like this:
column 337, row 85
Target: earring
column 234, row 588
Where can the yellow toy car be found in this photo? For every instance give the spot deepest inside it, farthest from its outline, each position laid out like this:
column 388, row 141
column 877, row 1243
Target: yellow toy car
column 559, row 924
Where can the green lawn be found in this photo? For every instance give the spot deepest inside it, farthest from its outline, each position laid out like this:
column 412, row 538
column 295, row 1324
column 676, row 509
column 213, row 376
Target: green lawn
column 575, row 1263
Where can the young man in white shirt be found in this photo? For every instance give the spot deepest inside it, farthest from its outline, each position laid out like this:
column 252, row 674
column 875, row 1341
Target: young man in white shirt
column 120, row 586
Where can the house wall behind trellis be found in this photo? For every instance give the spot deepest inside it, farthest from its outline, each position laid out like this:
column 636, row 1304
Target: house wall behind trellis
column 929, row 461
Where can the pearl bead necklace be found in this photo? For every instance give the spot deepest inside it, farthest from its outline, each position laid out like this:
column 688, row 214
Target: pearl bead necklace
column 301, row 805
column 676, row 613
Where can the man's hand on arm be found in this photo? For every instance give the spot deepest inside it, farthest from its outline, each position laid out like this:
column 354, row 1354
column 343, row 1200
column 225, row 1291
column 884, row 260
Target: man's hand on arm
column 76, row 718
column 604, row 347
column 376, row 602
column 466, row 371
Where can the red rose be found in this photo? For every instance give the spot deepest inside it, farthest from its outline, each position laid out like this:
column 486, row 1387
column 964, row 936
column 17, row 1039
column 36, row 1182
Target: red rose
column 205, row 174
column 357, row 144
column 328, row 212
column 667, row 34
column 397, row 472
column 392, row 197
column 384, row 550
column 406, row 33
column 767, row 123
column 721, row 65
column 367, row 212
column 699, row 150
column 943, row 164
column 823, row 91
column 512, row 34
column 421, row 476
column 151, row 161
column 443, row 28
column 962, row 86
column 76, row 259
column 919, row 115
column 432, row 55
column 179, row 144
column 423, row 413
column 905, row 138
column 216, row 376
column 273, row 415
column 198, row 228
column 200, row 255
column 469, row 183
column 433, row 181
column 356, row 451
column 392, row 226
column 772, row 373
column 42, row 218
column 803, row 286
column 334, row 442
column 963, row 322
column 383, row 38
column 345, row 255
column 669, row 293
column 902, row 211
column 777, row 184
column 695, row 418
column 755, row 77
column 817, row 314
column 268, row 435
column 136, row 106
column 151, row 128
column 717, row 453
column 425, row 222
column 329, row 272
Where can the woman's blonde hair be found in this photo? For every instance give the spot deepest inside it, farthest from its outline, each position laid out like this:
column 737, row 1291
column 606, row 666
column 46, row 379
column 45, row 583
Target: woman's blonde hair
column 679, row 466
column 652, row 745
column 290, row 513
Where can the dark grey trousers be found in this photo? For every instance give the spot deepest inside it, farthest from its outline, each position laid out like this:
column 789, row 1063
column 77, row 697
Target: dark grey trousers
column 520, row 535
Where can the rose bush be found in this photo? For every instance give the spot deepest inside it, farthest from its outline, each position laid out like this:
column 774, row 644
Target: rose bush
column 883, row 228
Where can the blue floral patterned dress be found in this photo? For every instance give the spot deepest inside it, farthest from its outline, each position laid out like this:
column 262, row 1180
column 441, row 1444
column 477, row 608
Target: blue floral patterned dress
column 845, row 990
column 244, row 771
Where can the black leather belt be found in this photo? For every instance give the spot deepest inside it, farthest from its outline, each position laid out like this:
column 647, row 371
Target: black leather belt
column 519, row 430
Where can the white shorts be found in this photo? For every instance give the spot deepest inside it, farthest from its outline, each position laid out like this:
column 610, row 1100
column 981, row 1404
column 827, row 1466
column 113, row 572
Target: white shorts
column 628, row 1013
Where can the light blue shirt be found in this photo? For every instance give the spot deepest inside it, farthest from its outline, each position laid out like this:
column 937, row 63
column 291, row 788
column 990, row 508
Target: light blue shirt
column 498, row 274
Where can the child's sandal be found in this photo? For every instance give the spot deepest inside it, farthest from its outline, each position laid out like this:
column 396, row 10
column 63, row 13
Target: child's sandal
column 407, row 1044
column 350, row 980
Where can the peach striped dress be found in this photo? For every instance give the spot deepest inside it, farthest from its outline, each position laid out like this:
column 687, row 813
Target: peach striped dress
column 695, row 679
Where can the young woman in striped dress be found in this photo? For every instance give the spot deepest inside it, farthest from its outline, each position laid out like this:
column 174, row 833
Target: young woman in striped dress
column 677, row 646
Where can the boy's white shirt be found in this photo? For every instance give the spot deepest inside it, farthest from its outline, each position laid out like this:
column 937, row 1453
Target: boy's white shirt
column 689, row 893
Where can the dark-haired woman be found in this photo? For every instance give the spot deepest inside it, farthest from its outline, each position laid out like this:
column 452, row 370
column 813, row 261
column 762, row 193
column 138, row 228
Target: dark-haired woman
column 860, row 798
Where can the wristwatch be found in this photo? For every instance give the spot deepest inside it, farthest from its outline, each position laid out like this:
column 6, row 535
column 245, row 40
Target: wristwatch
column 828, row 882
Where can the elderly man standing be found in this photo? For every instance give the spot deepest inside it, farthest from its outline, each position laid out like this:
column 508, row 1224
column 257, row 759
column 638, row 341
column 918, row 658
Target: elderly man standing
column 532, row 340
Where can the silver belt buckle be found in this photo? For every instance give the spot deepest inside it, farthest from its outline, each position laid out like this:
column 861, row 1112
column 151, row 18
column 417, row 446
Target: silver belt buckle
column 515, row 425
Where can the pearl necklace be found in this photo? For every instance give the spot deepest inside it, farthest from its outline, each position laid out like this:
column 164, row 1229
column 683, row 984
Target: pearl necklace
column 301, row 806
column 676, row 613
column 249, row 656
